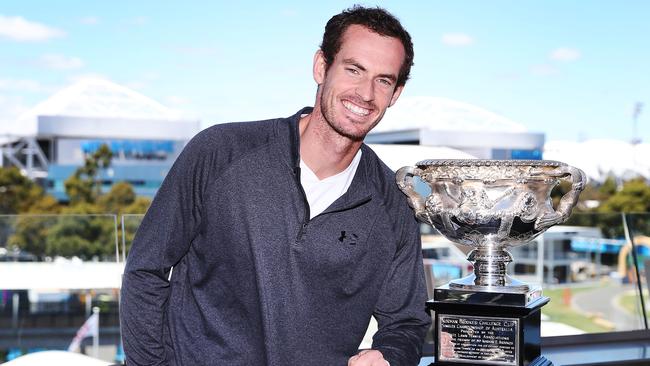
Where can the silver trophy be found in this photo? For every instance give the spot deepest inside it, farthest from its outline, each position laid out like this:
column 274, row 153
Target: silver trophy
column 489, row 205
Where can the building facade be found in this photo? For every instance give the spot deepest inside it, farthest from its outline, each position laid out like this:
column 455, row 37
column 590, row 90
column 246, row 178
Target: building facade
column 52, row 140
column 431, row 121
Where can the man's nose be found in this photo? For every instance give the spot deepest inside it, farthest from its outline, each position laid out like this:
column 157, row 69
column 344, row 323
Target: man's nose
column 366, row 90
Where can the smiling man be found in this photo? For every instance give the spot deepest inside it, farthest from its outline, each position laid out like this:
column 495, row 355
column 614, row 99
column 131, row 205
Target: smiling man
column 286, row 236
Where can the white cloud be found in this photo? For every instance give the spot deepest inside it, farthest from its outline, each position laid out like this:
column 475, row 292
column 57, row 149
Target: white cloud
column 196, row 50
column 565, row 54
column 137, row 85
column 544, row 70
column 457, row 39
column 17, row 28
column 89, row 20
column 141, row 20
column 61, row 62
column 78, row 77
column 143, row 82
column 151, row 76
column 24, row 85
column 176, row 100
column 508, row 76
column 289, row 13
column 10, row 108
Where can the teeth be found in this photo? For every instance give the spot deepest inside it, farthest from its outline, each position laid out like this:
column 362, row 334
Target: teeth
column 356, row 109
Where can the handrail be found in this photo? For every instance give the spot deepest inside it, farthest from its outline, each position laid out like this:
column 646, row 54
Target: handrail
column 636, row 268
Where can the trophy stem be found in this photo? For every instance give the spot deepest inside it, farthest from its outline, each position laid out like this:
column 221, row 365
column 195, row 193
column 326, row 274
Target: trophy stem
column 490, row 265
column 490, row 272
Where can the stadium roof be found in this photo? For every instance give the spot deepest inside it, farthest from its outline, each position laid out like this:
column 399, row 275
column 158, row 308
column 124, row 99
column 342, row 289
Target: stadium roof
column 443, row 114
column 601, row 157
column 94, row 98
column 397, row 156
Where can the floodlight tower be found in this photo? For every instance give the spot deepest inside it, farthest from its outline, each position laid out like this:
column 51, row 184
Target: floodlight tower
column 638, row 107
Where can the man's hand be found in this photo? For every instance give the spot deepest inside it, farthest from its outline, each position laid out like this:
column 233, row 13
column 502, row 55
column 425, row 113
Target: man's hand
column 368, row 357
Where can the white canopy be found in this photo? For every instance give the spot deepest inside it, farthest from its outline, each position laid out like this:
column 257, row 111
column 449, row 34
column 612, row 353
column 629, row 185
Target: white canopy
column 55, row 358
column 60, row 275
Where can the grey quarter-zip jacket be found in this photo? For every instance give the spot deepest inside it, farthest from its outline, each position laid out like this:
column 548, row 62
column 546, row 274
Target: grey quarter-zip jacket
column 254, row 280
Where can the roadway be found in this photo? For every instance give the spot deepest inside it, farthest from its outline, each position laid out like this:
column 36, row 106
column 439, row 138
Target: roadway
column 603, row 304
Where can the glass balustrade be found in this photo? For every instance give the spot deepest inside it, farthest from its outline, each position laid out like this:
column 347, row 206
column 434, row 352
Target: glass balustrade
column 54, row 269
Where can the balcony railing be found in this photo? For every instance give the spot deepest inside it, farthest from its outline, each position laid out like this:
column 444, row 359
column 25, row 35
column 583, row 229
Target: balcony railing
column 55, row 268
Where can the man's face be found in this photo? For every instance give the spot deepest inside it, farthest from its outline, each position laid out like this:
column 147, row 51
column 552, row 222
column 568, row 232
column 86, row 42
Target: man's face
column 360, row 84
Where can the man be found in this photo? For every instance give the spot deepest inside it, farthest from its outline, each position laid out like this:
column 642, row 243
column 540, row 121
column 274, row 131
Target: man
column 287, row 235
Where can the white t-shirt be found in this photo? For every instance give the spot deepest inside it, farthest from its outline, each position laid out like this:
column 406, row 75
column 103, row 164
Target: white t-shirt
column 322, row 193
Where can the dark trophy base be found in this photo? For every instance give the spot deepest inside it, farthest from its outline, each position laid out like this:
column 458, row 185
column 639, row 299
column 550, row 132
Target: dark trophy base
column 487, row 328
column 539, row 361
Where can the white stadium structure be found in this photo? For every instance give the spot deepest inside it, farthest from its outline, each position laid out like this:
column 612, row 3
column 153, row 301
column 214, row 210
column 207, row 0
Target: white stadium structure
column 431, row 121
column 51, row 140
column 602, row 158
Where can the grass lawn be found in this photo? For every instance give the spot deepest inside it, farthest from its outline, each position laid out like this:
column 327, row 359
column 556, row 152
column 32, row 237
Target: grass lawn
column 630, row 302
column 557, row 311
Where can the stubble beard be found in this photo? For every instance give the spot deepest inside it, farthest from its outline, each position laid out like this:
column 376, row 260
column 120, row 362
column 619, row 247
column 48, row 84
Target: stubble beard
column 329, row 116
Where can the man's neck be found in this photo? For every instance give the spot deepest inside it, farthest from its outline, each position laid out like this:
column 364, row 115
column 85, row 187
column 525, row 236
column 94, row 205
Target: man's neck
column 325, row 152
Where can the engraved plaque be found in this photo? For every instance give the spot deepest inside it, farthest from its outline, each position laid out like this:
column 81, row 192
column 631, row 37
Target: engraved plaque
column 478, row 340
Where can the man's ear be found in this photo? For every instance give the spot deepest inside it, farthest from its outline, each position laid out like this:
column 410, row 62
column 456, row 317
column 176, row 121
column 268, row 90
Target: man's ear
column 320, row 67
column 396, row 95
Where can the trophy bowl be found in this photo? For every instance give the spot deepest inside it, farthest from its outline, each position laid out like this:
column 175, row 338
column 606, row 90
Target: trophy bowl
column 490, row 205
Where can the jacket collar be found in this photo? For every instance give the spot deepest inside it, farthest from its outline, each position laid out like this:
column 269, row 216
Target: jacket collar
column 291, row 150
column 360, row 189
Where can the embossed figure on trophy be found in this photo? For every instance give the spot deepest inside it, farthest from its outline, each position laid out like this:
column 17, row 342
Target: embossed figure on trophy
column 567, row 202
column 474, row 206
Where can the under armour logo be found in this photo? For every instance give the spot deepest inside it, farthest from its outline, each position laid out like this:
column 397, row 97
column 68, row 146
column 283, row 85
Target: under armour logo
column 350, row 240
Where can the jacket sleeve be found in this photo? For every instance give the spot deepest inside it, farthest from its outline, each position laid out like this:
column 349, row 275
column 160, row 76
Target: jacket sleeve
column 161, row 241
column 401, row 311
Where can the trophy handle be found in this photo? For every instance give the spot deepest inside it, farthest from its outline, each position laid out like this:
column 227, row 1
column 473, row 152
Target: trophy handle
column 404, row 177
column 567, row 202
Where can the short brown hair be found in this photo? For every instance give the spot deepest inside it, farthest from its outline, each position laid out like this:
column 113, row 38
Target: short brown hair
column 377, row 20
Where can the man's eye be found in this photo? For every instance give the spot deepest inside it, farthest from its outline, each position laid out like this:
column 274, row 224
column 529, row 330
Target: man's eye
column 386, row 82
column 353, row 71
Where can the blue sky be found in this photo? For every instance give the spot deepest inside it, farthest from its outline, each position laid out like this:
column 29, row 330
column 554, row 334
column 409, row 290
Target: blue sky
column 573, row 69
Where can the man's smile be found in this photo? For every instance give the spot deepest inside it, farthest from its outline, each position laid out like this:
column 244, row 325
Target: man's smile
column 359, row 111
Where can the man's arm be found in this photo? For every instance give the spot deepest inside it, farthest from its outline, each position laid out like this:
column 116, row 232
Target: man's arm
column 400, row 311
column 161, row 241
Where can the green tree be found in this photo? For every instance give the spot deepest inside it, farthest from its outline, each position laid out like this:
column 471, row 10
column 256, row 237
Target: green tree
column 20, row 195
column 609, row 187
column 84, row 184
column 634, row 196
column 83, row 233
column 120, row 196
column 31, row 234
column 45, row 205
column 122, row 200
column 94, row 235
column 81, row 230
column 17, row 192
